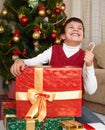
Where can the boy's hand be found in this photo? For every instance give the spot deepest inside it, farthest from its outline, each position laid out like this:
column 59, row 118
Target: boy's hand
column 88, row 58
column 17, row 67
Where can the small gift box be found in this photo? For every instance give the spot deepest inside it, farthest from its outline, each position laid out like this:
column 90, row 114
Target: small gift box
column 11, row 122
column 5, row 103
column 71, row 125
column 49, row 92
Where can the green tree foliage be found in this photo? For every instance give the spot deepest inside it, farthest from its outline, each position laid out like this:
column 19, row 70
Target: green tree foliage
column 27, row 28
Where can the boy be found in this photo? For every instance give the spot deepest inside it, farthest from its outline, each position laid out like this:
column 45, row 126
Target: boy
column 69, row 53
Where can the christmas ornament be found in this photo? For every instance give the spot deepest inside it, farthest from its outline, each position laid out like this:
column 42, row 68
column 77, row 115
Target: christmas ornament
column 4, row 12
column 57, row 10
column 16, row 52
column 16, row 37
column 44, row 37
column 24, row 20
column 24, row 52
column 63, row 6
column 9, row 44
column 36, row 45
column 36, row 34
column 53, row 15
column 21, row 15
column 1, row 29
column 41, row 10
column 58, row 5
column 48, row 12
column 53, row 35
column 16, row 33
column 58, row 40
column 15, row 57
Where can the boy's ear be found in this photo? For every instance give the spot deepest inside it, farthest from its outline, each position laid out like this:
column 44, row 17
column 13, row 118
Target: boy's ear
column 62, row 36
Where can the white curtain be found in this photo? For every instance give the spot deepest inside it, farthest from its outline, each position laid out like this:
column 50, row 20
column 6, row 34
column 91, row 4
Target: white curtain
column 94, row 20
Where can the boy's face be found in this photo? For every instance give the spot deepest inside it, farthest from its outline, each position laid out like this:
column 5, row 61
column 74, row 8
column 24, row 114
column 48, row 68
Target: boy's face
column 73, row 33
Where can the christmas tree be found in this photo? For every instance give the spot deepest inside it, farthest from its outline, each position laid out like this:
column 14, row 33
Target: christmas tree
column 27, row 28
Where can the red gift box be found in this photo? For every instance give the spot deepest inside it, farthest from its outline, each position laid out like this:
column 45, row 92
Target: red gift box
column 49, row 92
column 6, row 103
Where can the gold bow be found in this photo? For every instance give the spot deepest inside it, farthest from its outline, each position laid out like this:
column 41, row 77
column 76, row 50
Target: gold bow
column 38, row 100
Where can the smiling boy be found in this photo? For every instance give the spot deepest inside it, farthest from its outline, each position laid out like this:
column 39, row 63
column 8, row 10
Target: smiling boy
column 68, row 54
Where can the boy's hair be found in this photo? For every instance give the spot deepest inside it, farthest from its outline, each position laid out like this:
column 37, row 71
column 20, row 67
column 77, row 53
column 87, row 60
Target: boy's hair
column 75, row 19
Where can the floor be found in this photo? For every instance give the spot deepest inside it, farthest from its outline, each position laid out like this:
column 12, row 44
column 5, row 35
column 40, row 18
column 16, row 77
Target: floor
column 99, row 115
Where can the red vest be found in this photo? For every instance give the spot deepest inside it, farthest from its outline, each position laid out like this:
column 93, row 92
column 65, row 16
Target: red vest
column 59, row 58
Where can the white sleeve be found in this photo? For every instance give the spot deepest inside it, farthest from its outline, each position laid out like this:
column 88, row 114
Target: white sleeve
column 40, row 59
column 89, row 79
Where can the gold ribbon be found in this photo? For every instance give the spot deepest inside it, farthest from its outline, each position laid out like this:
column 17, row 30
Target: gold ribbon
column 6, row 116
column 38, row 97
column 38, row 101
column 30, row 123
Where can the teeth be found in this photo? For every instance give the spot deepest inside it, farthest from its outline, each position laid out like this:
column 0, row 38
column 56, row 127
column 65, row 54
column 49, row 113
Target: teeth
column 75, row 34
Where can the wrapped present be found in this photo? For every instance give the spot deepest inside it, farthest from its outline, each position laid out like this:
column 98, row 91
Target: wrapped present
column 11, row 122
column 71, row 125
column 74, row 125
column 49, row 92
column 5, row 103
column 12, row 90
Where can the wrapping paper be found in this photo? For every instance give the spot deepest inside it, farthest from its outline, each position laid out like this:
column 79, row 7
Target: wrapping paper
column 5, row 102
column 57, row 90
column 11, row 122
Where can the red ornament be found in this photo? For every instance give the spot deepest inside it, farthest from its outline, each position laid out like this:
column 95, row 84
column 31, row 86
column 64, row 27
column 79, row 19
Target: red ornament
column 16, row 33
column 24, row 53
column 36, row 29
column 16, row 52
column 24, row 20
column 44, row 36
column 41, row 7
column 57, row 10
column 9, row 44
column 53, row 35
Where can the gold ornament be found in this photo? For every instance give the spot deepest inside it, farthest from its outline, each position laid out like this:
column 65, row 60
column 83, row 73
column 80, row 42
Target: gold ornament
column 16, row 39
column 36, row 35
column 48, row 12
column 4, row 12
column 36, row 44
column 53, row 15
column 1, row 29
column 58, row 5
column 42, row 13
column 63, row 8
column 21, row 15
column 15, row 57
column 58, row 40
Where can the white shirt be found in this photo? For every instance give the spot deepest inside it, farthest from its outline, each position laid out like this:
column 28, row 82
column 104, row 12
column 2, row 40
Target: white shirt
column 89, row 78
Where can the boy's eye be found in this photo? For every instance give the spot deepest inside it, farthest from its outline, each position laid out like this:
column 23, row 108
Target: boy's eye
column 71, row 27
column 80, row 28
